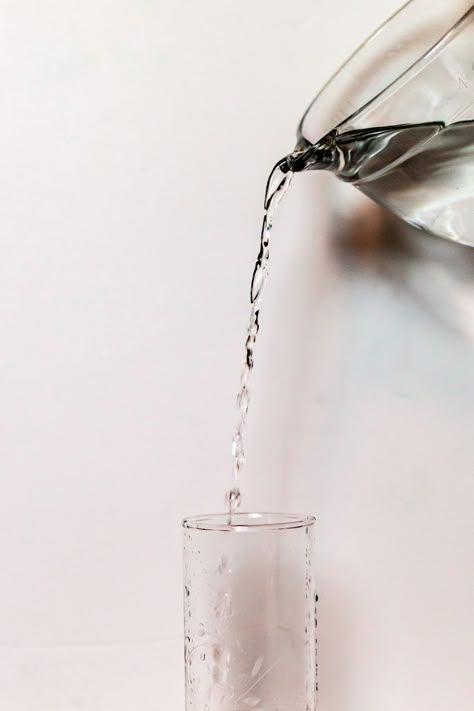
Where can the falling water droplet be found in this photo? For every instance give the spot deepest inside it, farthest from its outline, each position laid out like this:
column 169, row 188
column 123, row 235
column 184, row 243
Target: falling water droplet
column 233, row 500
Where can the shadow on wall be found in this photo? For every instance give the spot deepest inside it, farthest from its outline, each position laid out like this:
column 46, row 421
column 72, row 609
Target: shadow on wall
column 436, row 274
column 367, row 284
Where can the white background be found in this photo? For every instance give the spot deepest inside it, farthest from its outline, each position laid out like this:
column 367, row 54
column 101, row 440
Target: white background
column 135, row 139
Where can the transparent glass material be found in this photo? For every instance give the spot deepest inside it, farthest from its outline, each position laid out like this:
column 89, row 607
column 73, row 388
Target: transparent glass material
column 401, row 115
column 250, row 613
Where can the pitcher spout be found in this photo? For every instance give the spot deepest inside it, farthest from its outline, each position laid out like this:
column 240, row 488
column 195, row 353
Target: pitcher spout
column 322, row 155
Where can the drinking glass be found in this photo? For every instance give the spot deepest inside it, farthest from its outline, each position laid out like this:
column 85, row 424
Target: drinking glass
column 250, row 613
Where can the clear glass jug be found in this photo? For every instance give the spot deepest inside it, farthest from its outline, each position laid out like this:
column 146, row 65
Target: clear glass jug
column 397, row 120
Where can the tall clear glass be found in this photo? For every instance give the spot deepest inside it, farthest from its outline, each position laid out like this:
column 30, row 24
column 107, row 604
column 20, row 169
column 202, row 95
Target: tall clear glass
column 250, row 613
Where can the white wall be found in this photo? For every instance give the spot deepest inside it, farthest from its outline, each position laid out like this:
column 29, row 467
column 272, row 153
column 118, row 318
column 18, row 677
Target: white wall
column 135, row 138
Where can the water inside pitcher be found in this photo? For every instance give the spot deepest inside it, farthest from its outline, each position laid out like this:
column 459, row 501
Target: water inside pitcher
column 397, row 120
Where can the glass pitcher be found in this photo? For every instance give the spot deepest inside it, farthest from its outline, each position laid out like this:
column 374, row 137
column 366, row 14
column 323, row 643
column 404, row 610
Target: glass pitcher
column 397, row 119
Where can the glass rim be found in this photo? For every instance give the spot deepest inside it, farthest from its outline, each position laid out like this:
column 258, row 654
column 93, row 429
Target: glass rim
column 250, row 521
